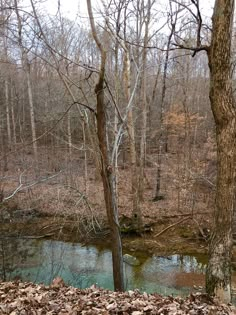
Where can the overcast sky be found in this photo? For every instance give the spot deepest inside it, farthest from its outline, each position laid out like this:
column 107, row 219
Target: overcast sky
column 72, row 8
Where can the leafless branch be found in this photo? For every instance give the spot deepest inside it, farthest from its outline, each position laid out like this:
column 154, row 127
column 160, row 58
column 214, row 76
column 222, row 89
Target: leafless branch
column 16, row 190
column 22, row 186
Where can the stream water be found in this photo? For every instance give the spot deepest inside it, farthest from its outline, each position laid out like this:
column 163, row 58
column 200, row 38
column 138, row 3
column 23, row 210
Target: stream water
column 81, row 266
column 41, row 261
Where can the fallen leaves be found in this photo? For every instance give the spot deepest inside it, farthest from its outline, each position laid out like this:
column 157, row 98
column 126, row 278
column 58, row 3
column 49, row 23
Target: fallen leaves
column 18, row 298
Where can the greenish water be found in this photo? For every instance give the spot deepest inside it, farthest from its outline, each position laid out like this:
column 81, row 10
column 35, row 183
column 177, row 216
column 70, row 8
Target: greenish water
column 41, row 261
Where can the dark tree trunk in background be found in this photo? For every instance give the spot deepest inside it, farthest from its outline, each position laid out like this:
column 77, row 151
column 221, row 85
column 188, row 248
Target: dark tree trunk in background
column 161, row 144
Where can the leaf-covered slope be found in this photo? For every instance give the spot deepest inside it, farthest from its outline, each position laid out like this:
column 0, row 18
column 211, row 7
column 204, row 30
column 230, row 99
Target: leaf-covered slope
column 31, row 299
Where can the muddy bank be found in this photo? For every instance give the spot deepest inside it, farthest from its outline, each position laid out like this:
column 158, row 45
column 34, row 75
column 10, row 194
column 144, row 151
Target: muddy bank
column 164, row 236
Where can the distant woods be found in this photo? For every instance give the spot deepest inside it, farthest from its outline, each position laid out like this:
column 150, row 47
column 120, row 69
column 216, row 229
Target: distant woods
column 127, row 88
column 156, row 95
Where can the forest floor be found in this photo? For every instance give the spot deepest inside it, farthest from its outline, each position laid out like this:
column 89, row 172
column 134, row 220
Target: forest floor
column 29, row 298
column 60, row 202
column 74, row 208
column 68, row 212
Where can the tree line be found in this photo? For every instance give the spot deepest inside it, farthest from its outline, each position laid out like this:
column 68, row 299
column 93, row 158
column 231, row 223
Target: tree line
column 120, row 88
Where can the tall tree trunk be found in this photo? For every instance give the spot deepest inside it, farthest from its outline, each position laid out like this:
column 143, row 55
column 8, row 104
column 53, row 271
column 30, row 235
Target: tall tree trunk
column 85, row 157
column 187, row 123
column 117, row 88
column 31, row 105
column 160, row 151
column 26, row 67
column 153, row 98
column 8, row 113
column 69, row 135
column 4, row 146
column 136, row 211
column 144, row 105
column 106, row 167
column 13, row 114
column 4, row 29
column 218, row 275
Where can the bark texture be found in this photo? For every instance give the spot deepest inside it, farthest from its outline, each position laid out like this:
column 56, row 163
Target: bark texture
column 218, row 276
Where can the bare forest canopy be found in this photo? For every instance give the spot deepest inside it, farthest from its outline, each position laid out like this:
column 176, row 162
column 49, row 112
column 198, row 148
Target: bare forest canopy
column 110, row 114
column 159, row 124
column 49, row 68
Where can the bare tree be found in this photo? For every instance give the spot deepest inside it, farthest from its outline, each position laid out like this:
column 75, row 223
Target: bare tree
column 106, row 166
column 160, row 152
column 144, row 105
column 26, row 66
column 136, row 211
column 129, row 119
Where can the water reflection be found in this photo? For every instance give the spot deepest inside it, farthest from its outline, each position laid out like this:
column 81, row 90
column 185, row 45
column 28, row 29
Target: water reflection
column 43, row 260
column 168, row 275
column 15, row 255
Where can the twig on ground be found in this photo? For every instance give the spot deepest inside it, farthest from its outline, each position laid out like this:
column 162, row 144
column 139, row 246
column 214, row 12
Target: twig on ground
column 172, row 225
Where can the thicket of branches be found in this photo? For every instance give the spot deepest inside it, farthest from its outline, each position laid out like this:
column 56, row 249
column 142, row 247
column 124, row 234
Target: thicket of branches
column 49, row 67
column 127, row 89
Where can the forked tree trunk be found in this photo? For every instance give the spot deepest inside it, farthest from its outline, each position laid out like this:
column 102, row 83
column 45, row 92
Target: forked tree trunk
column 109, row 191
column 107, row 172
column 218, row 276
column 136, row 210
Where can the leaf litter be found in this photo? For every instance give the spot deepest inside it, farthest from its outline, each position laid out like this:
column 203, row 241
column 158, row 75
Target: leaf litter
column 25, row 298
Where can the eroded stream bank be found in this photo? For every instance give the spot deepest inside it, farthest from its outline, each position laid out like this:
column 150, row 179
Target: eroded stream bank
column 182, row 238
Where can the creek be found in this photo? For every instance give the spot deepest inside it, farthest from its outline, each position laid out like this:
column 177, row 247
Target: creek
column 81, row 266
